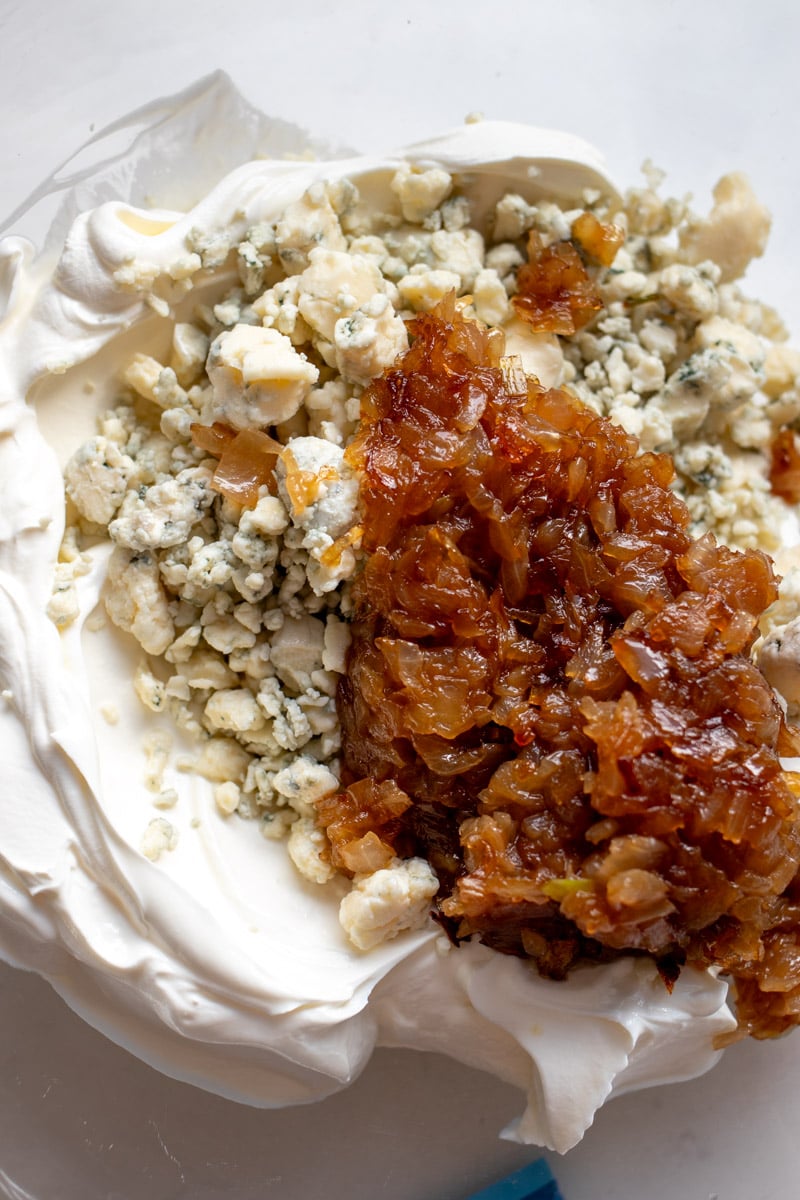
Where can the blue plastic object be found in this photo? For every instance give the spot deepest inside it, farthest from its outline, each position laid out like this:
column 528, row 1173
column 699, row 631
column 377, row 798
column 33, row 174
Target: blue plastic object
column 534, row 1182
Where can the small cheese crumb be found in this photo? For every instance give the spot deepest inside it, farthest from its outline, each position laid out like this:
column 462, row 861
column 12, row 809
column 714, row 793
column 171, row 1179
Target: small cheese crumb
column 420, row 192
column 157, row 748
column 227, row 797
column 306, row 847
column 166, row 798
column 159, row 837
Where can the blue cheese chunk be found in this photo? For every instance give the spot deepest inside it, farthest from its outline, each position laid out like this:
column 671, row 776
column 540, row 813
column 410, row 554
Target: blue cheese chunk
column 420, row 192
column 296, row 651
column 257, row 378
column 734, row 232
column 387, row 902
column 166, row 513
column 369, row 340
column 136, row 601
column 317, row 486
column 310, row 222
column 335, row 285
column 779, row 659
column 96, row 479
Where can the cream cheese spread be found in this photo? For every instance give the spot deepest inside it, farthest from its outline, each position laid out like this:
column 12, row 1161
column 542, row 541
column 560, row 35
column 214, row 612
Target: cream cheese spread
column 218, row 964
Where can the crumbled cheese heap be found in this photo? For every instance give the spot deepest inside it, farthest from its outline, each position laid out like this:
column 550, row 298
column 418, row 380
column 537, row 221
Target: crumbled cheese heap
column 682, row 360
column 241, row 613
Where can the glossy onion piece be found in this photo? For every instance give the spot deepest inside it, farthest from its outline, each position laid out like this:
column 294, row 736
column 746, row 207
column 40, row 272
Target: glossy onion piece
column 549, row 692
column 555, row 293
column 246, row 460
column 212, row 438
column 784, row 475
column 600, row 242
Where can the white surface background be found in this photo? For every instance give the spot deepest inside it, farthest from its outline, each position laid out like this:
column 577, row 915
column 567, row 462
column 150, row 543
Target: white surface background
column 698, row 86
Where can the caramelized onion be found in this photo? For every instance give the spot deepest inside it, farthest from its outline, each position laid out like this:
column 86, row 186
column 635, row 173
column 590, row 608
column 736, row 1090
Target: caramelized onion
column 600, row 242
column 549, row 691
column 784, row 473
column 554, row 291
column 246, row 460
column 212, row 438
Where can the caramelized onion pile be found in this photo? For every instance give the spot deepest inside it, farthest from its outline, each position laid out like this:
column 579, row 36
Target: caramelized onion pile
column 555, row 293
column 549, row 692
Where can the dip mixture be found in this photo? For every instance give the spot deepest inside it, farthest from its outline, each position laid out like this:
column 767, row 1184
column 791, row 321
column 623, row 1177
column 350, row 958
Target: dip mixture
column 509, row 462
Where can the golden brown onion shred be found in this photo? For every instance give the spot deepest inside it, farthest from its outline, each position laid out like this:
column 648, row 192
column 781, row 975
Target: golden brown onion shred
column 246, row 460
column 549, row 692
column 555, row 293
column 785, row 466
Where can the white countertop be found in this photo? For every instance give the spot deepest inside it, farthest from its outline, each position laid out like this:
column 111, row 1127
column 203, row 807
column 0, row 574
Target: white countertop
column 700, row 88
